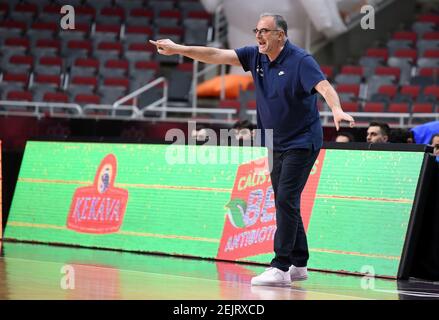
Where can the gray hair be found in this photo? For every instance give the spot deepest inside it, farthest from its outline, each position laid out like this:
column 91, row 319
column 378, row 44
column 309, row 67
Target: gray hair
column 278, row 20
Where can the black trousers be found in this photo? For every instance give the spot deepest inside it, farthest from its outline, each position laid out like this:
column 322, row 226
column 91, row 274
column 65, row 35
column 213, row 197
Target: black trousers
column 290, row 171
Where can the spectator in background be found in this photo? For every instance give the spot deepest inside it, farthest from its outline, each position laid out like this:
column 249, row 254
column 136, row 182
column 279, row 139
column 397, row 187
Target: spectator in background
column 378, row 132
column 244, row 130
column 435, row 143
column 200, row 134
column 344, row 137
column 401, row 136
column 422, row 134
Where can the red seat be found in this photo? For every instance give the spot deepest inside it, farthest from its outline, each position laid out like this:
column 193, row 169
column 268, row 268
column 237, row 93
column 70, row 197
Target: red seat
column 172, row 14
column 178, row 31
column 139, row 30
column 52, row 8
column 21, row 78
column 141, row 12
column 374, row 107
column 357, row 70
column 388, row 71
column 231, row 104
column 350, row 107
column 429, row 72
column 51, row 61
column 432, row 90
column 55, row 97
column 50, row 26
column 110, row 46
column 84, row 81
column 80, row 29
column 186, row 66
column 117, row 64
column 80, row 44
column 406, row 53
column 48, row 43
column 140, row 46
column 432, row 35
column 47, row 79
column 405, row 35
column 422, row 108
column 108, row 28
column 328, row 71
column 4, row 8
column 112, row 12
column 17, row 42
column 428, row 18
column 431, row 53
column 19, row 95
column 22, row 61
column 389, row 90
column 412, row 91
column 199, row 15
column 398, row 107
column 26, row 8
column 85, row 11
column 154, row 65
column 87, row 62
column 87, row 98
column 378, row 52
column 251, row 104
column 348, row 88
column 11, row 25
column 116, row 82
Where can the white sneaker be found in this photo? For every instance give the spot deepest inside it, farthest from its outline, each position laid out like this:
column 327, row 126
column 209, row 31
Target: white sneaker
column 272, row 277
column 298, row 273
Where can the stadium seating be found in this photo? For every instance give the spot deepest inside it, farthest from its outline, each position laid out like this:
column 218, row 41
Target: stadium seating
column 107, row 55
column 109, row 41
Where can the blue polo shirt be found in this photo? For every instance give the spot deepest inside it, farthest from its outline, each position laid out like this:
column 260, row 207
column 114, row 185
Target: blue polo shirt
column 286, row 100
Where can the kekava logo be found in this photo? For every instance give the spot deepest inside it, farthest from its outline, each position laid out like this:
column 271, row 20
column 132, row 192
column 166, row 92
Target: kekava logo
column 99, row 208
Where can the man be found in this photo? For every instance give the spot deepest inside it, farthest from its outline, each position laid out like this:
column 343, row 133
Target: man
column 435, row 143
column 344, row 137
column 401, row 136
column 378, row 132
column 286, row 80
column 244, row 130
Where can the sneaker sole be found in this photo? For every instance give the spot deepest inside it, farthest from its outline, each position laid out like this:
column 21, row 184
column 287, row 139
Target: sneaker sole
column 271, row 284
column 299, row 278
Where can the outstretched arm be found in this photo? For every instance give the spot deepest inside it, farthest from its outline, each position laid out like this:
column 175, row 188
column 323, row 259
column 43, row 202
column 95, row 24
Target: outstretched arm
column 203, row 54
column 333, row 101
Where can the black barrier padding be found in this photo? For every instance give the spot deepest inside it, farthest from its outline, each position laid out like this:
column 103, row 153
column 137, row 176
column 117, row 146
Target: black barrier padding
column 426, row 253
column 11, row 162
column 409, row 147
column 417, row 217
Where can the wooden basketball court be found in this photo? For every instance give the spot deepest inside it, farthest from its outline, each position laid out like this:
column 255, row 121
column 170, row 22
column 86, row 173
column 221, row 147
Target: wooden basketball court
column 36, row 271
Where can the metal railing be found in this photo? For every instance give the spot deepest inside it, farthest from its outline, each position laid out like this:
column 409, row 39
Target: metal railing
column 197, row 74
column 109, row 112
column 133, row 95
column 362, row 119
column 203, row 115
column 220, row 26
column 40, row 109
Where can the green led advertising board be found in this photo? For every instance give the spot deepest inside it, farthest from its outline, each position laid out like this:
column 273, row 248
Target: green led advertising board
column 356, row 205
